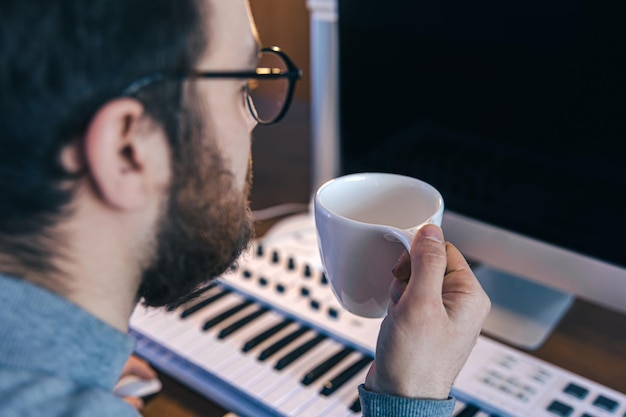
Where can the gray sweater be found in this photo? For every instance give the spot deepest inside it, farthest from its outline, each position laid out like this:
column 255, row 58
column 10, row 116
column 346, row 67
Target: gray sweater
column 58, row 360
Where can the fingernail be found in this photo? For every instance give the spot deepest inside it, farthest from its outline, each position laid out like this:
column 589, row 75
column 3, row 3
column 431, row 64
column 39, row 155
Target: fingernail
column 432, row 232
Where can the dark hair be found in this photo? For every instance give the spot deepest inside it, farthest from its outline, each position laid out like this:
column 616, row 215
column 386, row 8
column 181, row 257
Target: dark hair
column 60, row 61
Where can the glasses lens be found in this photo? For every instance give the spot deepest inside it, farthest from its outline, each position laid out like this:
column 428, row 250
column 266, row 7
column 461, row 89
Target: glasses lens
column 266, row 97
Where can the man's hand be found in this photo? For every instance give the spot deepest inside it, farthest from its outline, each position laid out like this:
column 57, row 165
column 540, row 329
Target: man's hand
column 140, row 368
column 436, row 312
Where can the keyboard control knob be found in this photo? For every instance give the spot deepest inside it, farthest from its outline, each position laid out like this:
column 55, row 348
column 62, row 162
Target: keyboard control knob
column 291, row 264
column 307, row 271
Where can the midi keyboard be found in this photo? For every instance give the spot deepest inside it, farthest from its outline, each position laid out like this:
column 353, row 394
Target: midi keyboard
column 269, row 339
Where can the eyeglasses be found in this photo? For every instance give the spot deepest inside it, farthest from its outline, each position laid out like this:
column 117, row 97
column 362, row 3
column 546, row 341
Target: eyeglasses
column 269, row 89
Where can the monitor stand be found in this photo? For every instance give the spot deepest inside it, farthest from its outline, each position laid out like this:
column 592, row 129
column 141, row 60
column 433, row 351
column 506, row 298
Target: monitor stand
column 523, row 313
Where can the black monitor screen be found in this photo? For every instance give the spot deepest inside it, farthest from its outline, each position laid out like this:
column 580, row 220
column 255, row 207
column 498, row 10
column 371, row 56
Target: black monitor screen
column 515, row 110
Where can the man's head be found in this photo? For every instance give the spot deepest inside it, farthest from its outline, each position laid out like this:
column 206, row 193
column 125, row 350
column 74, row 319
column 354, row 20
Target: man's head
column 154, row 185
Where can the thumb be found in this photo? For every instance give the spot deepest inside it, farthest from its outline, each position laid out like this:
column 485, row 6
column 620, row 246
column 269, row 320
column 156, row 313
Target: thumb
column 428, row 263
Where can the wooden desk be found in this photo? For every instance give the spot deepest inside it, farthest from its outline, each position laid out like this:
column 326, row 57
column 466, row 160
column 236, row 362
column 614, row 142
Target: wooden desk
column 590, row 341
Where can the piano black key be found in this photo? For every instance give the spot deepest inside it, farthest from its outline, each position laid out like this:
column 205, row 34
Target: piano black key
column 343, row 377
column 199, row 306
column 226, row 314
column 275, row 347
column 299, row 351
column 325, row 366
column 189, row 297
column 470, row 411
column 356, row 405
column 266, row 334
column 228, row 330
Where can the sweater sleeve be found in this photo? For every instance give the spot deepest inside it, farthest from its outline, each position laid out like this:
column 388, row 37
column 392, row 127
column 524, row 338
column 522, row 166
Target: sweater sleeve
column 375, row 404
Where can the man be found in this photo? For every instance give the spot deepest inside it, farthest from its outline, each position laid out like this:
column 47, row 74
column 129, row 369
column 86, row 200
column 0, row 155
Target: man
column 124, row 174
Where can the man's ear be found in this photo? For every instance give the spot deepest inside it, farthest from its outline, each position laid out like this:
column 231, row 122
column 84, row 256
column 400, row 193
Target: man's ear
column 119, row 147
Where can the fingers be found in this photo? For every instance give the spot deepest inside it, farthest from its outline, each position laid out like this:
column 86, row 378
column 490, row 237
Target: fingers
column 402, row 269
column 460, row 282
column 428, row 263
column 459, row 276
column 136, row 402
column 138, row 367
column 456, row 263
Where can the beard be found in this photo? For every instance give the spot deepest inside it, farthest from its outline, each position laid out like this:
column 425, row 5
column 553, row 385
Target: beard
column 205, row 227
column 202, row 234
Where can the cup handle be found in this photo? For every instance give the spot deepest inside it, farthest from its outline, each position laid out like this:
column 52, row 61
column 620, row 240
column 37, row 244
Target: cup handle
column 405, row 236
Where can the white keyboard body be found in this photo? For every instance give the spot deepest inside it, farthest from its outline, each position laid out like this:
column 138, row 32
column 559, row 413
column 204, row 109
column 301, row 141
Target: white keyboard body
column 496, row 381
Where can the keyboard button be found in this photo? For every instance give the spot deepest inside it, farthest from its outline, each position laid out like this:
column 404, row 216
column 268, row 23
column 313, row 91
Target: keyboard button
column 559, row 409
column 576, row 391
column 291, row 264
column 587, row 415
column 605, row 403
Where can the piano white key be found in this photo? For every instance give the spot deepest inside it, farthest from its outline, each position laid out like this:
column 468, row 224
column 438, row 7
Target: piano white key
column 339, row 412
column 189, row 342
column 202, row 343
column 243, row 369
column 150, row 319
column 143, row 314
column 302, row 399
column 164, row 325
column 313, row 408
column 212, row 355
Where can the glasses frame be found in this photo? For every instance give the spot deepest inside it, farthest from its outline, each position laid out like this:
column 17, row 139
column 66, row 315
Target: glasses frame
column 293, row 74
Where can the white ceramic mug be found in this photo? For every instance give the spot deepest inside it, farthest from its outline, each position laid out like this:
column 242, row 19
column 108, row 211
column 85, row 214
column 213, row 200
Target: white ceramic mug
column 364, row 222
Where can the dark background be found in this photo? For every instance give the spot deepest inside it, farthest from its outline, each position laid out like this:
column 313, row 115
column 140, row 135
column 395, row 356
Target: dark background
column 515, row 111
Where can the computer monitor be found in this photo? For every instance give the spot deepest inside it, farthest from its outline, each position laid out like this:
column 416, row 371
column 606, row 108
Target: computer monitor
column 516, row 112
